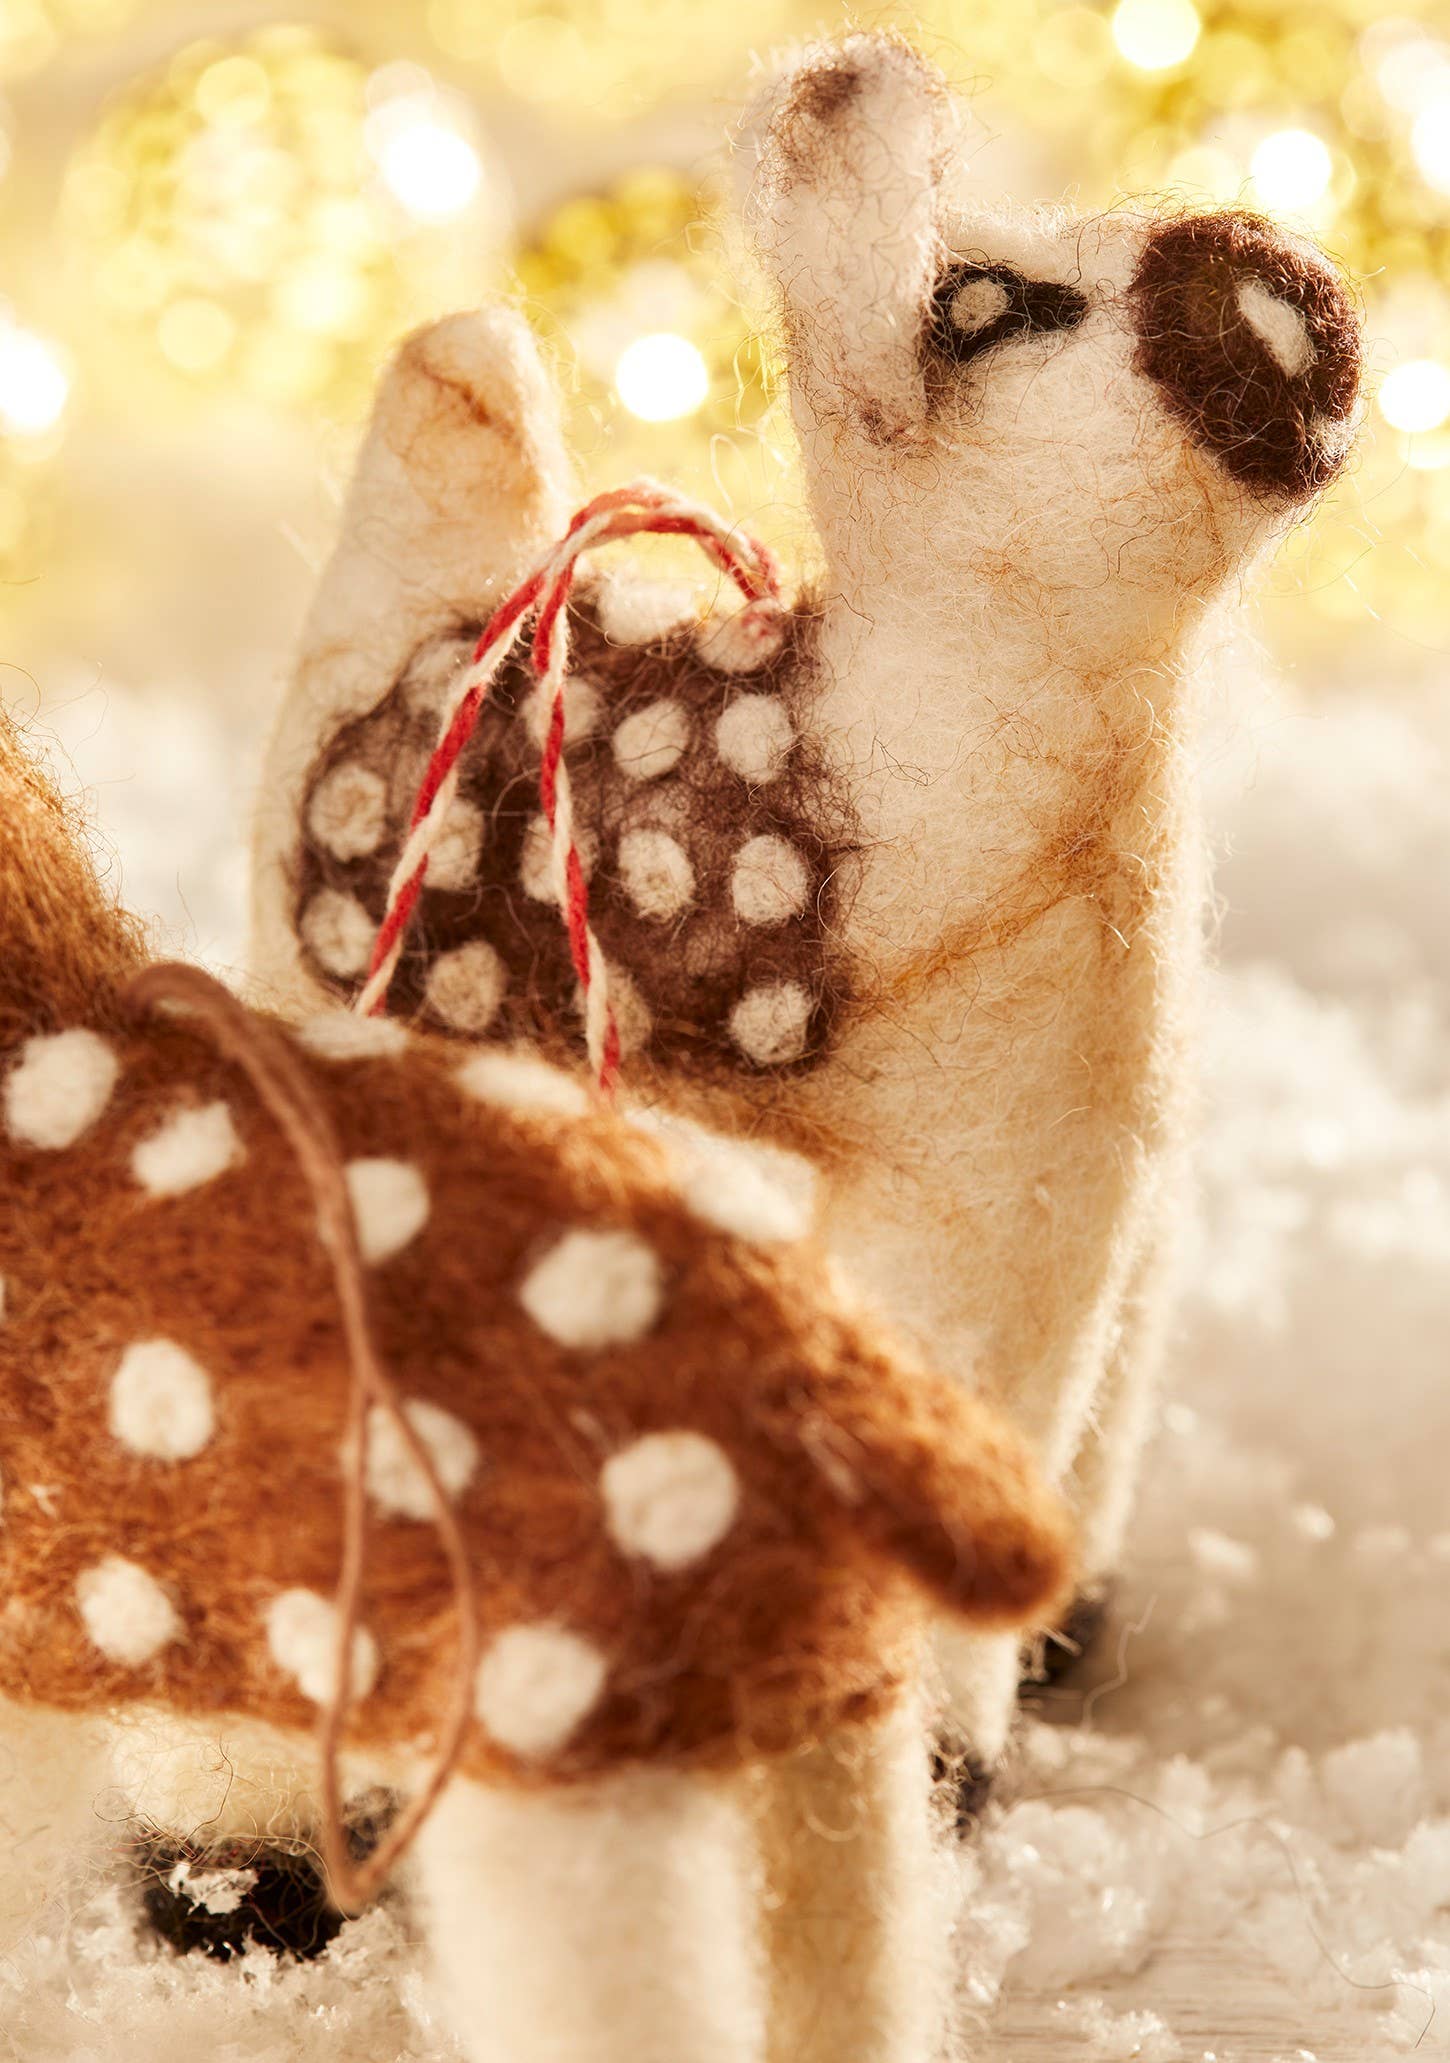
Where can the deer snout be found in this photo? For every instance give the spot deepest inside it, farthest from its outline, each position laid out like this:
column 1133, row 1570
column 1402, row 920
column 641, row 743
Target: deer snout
column 1254, row 340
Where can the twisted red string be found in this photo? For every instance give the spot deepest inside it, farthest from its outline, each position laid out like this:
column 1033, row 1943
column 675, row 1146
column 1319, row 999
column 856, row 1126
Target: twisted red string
column 642, row 506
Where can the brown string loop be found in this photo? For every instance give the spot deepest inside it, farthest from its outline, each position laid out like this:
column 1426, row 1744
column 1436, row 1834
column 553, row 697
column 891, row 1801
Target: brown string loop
column 285, row 1091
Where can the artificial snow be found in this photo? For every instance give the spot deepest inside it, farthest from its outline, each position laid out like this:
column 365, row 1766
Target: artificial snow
column 1231, row 1838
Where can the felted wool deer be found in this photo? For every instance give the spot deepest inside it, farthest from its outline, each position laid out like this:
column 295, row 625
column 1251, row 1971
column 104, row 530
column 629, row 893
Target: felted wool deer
column 918, row 884
column 633, row 1513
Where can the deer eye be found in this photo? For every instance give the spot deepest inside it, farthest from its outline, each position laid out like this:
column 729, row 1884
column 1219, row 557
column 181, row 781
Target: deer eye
column 976, row 307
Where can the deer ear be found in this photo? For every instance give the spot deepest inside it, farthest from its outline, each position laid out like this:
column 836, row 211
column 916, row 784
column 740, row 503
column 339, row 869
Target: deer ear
column 462, row 479
column 935, row 1480
column 842, row 159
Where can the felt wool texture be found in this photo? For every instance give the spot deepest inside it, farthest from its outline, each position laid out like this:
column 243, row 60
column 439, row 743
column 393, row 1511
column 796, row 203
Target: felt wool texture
column 706, row 1502
column 1044, row 453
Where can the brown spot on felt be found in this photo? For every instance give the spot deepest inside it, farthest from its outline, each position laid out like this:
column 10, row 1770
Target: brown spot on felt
column 1269, row 398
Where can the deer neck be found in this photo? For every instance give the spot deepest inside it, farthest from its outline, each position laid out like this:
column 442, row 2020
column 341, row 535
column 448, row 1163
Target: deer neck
column 1000, row 767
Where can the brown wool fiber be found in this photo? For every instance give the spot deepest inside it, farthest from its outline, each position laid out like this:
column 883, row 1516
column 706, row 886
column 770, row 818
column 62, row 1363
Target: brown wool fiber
column 858, row 1471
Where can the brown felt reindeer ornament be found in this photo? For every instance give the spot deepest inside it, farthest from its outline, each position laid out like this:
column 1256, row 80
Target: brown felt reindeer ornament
column 910, row 875
column 353, row 1378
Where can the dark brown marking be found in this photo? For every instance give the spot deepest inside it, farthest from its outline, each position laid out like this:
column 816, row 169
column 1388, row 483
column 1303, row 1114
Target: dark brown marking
column 690, row 970
column 826, row 91
column 1282, row 433
column 1033, row 306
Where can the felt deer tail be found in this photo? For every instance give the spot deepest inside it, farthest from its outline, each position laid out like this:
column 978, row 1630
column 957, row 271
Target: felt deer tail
column 65, row 945
column 937, row 1481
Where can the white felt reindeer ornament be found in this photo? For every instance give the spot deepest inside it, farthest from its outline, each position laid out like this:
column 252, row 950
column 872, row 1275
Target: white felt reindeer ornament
column 915, row 881
column 345, row 1373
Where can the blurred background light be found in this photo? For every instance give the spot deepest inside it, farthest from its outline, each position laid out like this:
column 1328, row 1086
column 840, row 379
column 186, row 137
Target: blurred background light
column 427, row 161
column 1416, row 396
column 1154, row 34
column 661, row 377
column 1291, row 171
column 34, row 385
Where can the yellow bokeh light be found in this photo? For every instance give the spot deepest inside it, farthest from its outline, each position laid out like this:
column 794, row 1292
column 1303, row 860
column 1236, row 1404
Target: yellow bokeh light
column 1205, row 168
column 1430, row 141
column 234, row 89
column 1416, row 397
column 34, row 384
column 1154, row 34
column 1291, row 170
column 429, row 168
column 661, row 377
column 195, row 335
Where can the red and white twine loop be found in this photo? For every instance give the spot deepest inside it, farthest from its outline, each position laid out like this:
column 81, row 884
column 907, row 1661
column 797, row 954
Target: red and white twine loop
column 641, row 506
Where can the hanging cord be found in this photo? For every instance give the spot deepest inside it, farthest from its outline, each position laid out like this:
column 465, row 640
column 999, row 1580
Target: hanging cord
column 642, row 505
column 286, row 1093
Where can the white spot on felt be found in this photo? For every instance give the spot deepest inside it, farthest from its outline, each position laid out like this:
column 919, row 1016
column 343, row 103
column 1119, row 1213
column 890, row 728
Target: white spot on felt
column 161, row 1401
column 641, row 612
column 536, row 858
column 58, row 1088
column 741, row 641
column 434, row 670
column 395, row 1482
column 521, row 1081
column 976, row 304
column 769, row 881
column 348, row 813
column 768, row 1024
column 338, row 932
column 594, row 1289
column 670, row 1497
column 749, row 1191
column 534, row 1685
column 192, row 1146
column 1279, row 326
column 127, row 1614
column 390, row 1203
column 465, row 987
column 582, row 707
column 656, row 872
column 302, row 1640
column 453, row 862
column 650, row 742
column 754, row 737
column 343, row 1035
column 632, row 1017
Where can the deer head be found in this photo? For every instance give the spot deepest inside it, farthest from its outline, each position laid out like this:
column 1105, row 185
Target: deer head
column 1082, row 427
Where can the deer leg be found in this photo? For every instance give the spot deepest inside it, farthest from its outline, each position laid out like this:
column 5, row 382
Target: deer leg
column 461, row 482
column 860, row 1927
column 1105, row 1474
column 53, row 1776
column 615, row 1922
column 219, row 1820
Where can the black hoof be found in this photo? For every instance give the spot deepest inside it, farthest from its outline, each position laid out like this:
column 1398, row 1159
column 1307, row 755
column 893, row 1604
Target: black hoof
column 222, row 1900
column 1059, row 1655
column 967, row 1783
